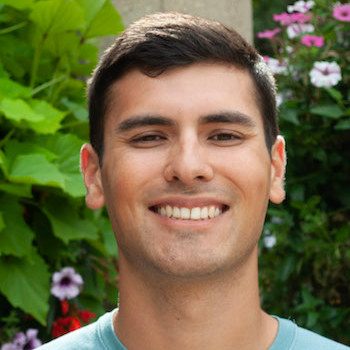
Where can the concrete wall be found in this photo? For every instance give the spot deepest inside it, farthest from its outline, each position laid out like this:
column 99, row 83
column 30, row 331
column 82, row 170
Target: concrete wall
column 234, row 13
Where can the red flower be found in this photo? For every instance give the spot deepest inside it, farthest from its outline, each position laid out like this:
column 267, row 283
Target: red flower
column 63, row 325
column 64, row 307
column 86, row 315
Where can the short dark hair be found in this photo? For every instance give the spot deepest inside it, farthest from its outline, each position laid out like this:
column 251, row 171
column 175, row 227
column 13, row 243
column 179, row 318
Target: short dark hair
column 162, row 41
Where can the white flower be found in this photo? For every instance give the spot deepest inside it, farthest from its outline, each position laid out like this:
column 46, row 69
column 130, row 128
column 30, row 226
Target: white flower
column 296, row 29
column 301, row 6
column 325, row 74
column 269, row 241
column 276, row 66
column 66, row 284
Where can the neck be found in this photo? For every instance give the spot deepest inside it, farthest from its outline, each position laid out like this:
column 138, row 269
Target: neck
column 214, row 313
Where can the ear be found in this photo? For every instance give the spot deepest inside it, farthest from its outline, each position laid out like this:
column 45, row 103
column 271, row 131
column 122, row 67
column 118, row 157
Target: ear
column 278, row 167
column 90, row 168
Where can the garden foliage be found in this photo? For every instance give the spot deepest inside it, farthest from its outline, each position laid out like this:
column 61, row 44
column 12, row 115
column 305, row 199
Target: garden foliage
column 48, row 48
column 305, row 261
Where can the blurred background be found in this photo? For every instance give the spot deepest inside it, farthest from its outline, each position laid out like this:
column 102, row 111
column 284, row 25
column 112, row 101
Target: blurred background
column 59, row 260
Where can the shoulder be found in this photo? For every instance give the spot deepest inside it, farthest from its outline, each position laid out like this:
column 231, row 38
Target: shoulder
column 96, row 336
column 306, row 339
column 292, row 337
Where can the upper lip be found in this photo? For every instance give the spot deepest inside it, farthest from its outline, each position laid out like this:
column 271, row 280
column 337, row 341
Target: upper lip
column 181, row 202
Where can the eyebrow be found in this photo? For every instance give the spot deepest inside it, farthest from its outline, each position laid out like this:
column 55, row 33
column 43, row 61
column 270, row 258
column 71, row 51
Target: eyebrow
column 229, row 117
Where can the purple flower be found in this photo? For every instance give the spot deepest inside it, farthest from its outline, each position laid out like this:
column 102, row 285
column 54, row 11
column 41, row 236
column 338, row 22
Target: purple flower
column 325, row 74
column 269, row 34
column 301, row 6
column 66, row 284
column 23, row 341
column 342, row 12
column 310, row 40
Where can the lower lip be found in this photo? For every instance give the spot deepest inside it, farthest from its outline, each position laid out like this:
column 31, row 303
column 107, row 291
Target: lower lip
column 202, row 223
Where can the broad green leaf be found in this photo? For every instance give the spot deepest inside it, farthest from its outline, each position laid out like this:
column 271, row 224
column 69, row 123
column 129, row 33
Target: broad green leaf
column 330, row 111
column 26, row 284
column 2, row 223
column 67, row 148
column 66, row 224
column 289, row 115
column 79, row 112
column 74, row 185
column 14, row 148
column 107, row 21
column 21, row 190
column 18, row 4
column 63, row 44
column 52, row 117
column 57, row 16
column 35, row 169
column 16, row 238
column 11, row 89
column 17, row 110
column 334, row 93
column 91, row 8
column 343, row 125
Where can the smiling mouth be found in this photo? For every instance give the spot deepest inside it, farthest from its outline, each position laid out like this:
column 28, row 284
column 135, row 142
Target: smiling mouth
column 185, row 213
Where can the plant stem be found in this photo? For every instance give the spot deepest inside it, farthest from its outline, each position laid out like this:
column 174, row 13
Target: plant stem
column 13, row 28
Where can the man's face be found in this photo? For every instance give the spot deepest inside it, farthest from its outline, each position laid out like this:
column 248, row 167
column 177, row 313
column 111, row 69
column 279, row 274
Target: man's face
column 188, row 142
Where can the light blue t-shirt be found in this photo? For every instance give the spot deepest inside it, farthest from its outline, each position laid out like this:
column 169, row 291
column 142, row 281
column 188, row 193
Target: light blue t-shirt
column 100, row 336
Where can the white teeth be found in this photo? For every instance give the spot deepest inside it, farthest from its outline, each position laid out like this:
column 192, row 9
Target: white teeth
column 195, row 213
column 185, row 213
column 176, row 213
column 204, row 213
column 211, row 212
column 168, row 210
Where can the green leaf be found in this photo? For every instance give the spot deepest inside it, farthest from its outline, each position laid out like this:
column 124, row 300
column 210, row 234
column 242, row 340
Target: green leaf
column 13, row 149
column 74, row 185
column 330, row 111
column 18, row 4
column 52, row 117
column 2, row 223
column 103, row 21
column 25, row 283
column 343, row 125
column 57, row 16
column 334, row 93
column 11, row 89
column 21, row 190
column 17, row 110
column 79, row 112
column 289, row 115
column 16, row 238
column 66, row 224
column 35, row 169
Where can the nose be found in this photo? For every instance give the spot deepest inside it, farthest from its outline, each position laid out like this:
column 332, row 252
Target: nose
column 188, row 163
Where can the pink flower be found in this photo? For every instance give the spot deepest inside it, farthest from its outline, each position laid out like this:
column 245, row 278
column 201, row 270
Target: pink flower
column 314, row 40
column 269, row 34
column 283, row 18
column 342, row 12
column 286, row 19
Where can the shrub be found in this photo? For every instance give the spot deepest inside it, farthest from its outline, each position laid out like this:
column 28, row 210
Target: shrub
column 305, row 275
column 47, row 49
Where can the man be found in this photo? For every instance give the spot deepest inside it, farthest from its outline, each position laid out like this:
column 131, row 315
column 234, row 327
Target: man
column 185, row 153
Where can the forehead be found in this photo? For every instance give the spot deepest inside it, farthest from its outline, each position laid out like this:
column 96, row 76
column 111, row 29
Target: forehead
column 184, row 92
